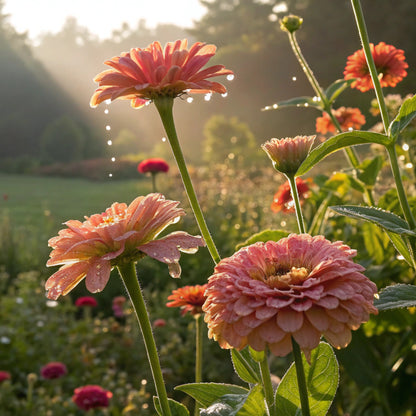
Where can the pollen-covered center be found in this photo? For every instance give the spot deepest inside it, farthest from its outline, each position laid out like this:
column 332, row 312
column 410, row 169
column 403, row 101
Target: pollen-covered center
column 111, row 219
column 284, row 278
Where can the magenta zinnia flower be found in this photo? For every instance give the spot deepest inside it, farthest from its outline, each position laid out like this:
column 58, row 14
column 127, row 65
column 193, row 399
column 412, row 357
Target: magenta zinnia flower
column 121, row 234
column 300, row 286
column 142, row 75
column 86, row 301
column 389, row 61
column 4, row 375
column 153, row 165
column 53, row 370
column 91, row 397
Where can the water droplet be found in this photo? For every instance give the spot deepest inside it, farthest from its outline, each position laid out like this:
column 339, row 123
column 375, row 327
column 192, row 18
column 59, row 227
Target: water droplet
column 110, row 175
column 108, row 128
column 350, row 128
column 52, row 303
column 189, row 99
column 230, row 77
column 163, row 139
column 106, row 111
column 113, row 159
column 109, row 142
column 409, row 165
column 275, row 106
column 405, row 147
column 224, row 95
column 293, row 78
column 306, row 104
column 176, row 220
column 108, row 101
column 283, row 223
column 174, row 270
column 208, row 96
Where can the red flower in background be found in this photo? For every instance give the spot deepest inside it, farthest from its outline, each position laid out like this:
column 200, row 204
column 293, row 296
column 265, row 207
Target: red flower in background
column 142, row 75
column 53, row 370
column 283, row 201
column 188, row 298
column 347, row 118
column 153, row 165
column 86, row 301
column 91, row 397
column 4, row 375
column 389, row 61
column 159, row 323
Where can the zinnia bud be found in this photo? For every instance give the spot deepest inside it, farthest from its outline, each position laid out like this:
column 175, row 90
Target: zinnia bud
column 291, row 23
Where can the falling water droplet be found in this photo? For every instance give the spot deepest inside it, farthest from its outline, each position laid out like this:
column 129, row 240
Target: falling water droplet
column 108, row 101
column 224, row 95
column 208, row 96
column 350, row 129
column 189, row 99
column 108, row 128
column 113, row 159
column 405, row 147
column 230, row 77
column 306, row 105
column 109, row 142
column 110, row 175
column 293, row 78
column 163, row 139
column 275, row 106
column 106, row 111
column 174, row 270
column 409, row 165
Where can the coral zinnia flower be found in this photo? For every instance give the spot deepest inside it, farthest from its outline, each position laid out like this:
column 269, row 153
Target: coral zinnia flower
column 348, row 118
column 145, row 74
column 283, row 201
column 389, row 61
column 86, row 301
column 289, row 153
column 121, row 234
column 300, row 286
column 53, row 370
column 188, row 298
column 91, row 397
column 153, row 165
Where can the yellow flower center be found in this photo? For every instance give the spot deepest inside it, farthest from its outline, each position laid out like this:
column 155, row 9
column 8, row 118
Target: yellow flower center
column 285, row 279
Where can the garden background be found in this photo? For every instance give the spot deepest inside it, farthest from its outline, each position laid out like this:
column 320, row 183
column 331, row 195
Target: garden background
column 57, row 163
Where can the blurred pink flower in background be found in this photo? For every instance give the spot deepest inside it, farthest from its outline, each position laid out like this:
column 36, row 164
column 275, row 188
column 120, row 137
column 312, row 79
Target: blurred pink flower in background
column 52, row 370
column 300, row 286
column 145, row 74
column 91, row 397
column 88, row 301
column 121, row 234
column 158, row 323
column 4, row 375
column 153, row 165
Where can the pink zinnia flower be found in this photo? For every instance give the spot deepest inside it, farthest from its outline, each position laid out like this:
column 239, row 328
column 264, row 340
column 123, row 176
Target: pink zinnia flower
column 154, row 165
column 4, row 375
column 142, row 75
column 283, row 201
column 53, row 370
column 289, row 153
column 188, row 298
column 86, row 301
column 159, row 323
column 91, row 397
column 300, row 286
column 122, row 233
column 347, row 118
column 118, row 305
column 389, row 61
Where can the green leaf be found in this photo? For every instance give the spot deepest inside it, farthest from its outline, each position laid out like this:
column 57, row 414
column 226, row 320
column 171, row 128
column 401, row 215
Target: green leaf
column 176, row 408
column 338, row 142
column 245, row 366
column 396, row 296
column 249, row 404
column 370, row 169
column 406, row 114
column 336, row 88
column 322, row 381
column 266, row 235
column 401, row 245
column 208, row 393
column 384, row 219
column 297, row 102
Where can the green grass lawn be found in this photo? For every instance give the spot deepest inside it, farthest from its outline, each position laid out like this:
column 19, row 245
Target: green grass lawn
column 32, row 200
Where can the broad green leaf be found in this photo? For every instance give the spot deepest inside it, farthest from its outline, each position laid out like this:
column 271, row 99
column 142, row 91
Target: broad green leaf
column 266, row 235
column 297, row 102
column 370, row 169
column 249, row 404
column 338, row 142
column 245, row 366
column 396, row 296
column 406, row 114
column 208, row 393
column 384, row 219
column 401, row 245
column 322, row 382
column 375, row 242
column 336, row 88
column 176, row 408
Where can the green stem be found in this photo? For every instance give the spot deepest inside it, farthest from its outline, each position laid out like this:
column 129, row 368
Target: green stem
column 153, row 174
column 295, row 196
column 267, row 385
column 128, row 275
column 199, row 337
column 362, row 30
column 165, row 106
column 300, row 373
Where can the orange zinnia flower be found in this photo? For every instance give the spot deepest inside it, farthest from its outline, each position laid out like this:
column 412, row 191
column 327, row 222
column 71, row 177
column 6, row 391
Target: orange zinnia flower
column 283, row 201
column 188, row 298
column 347, row 118
column 142, row 75
column 121, row 234
column 389, row 61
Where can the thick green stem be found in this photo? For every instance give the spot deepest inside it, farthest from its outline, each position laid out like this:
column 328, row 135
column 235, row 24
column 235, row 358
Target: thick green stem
column 300, row 373
column 267, row 385
column 362, row 30
column 199, row 338
column 153, row 175
column 165, row 106
column 295, row 196
column 129, row 277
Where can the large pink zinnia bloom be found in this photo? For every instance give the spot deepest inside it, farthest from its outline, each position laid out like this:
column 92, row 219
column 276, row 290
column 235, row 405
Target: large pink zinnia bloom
column 121, row 234
column 300, row 286
column 145, row 74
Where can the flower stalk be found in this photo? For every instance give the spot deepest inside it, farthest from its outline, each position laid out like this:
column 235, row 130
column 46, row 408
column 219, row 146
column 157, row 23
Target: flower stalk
column 164, row 106
column 267, row 385
column 199, row 338
column 300, row 373
column 296, row 201
column 128, row 275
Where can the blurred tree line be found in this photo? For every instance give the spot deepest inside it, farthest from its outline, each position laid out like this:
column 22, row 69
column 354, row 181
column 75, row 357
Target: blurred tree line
column 46, row 87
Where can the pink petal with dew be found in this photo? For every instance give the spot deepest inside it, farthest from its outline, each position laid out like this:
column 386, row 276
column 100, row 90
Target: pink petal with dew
column 97, row 275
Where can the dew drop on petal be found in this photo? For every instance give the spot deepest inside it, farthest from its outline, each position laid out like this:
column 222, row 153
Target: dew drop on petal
column 108, row 101
column 174, row 270
column 191, row 250
column 176, row 220
column 230, row 77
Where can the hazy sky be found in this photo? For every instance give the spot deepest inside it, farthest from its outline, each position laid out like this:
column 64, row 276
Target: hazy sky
column 99, row 16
